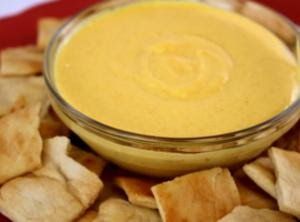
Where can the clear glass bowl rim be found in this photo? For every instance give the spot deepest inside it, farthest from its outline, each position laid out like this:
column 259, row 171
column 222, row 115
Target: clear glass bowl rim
column 103, row 129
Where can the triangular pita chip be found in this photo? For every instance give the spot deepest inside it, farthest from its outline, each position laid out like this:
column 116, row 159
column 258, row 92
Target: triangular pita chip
column 287, row 170
column 262, row 173
column 46, row 29
column 248, row 214
column 118, row 210
column 202, row 196
column 20, row 143
column 17, row 92
column 25, row 60
column 89, row 216
column 138, row 190
column 94, row 163
column 59, row 191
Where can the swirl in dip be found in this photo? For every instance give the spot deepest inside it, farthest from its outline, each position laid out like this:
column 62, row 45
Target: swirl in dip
column 175, row 69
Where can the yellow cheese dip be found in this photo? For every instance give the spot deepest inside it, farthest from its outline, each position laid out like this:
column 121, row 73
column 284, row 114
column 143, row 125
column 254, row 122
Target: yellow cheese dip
column 175, row 69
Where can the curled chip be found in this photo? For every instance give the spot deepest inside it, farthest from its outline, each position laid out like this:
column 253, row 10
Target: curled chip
column 138, row 190
column 287, row 170
column 202, row 196
column 248, row 214
column 118, row 210
column 25, row 60
column 262, row 173
column 20, row 143
column 46, row 29
column 17, row 92
column 59, row 191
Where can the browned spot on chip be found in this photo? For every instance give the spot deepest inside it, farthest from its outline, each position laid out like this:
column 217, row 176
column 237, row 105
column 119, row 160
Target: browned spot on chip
column 202, row 196
column 262, row 173
column 59, row 191
column 20, row 143
column 248, row 214
column 138, row 190
column 118, row 210
column 287, row 170
column 25, row 60
column 94, row 163
column 17, row 92
column 46, row 29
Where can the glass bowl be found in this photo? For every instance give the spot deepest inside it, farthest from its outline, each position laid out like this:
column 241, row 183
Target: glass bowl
column 161, row 156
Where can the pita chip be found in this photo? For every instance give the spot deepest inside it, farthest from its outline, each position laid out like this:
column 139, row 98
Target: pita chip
column 248, row 214
column 92, row 162
column 82, row 183
column 287, row 170
column 59, row 191
column 18, row 92
column 89, row 216
column 20, row 143
column 253, row 197
column 114, row 209
column 202, row 196
column 138, row 190
column 262, row 173
column 46, row 30
column 39, row 199
column 24, row 60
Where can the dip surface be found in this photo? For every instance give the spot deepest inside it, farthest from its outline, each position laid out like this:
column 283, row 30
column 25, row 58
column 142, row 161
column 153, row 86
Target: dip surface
column 175, row 69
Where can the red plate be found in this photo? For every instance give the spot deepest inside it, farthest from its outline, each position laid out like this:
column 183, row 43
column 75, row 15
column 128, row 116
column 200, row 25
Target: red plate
column 21, row 29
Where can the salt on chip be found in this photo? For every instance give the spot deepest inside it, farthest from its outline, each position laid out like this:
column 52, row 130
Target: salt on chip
column 248, row 214
column 287, row 170
column 262, row 173
column 89, row 216
column 17, row 92
column 61, row 190
column 24, row 60
column 254, row 198
column 138, row 190
column 118, row 210
column 20, row 143
column 46, row 29
column 94, row 163
column 201, row 196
